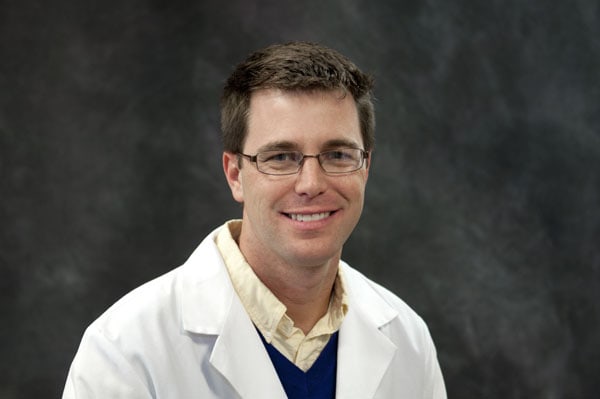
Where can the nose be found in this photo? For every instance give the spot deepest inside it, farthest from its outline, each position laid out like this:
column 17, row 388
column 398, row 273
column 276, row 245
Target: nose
column 310, row 180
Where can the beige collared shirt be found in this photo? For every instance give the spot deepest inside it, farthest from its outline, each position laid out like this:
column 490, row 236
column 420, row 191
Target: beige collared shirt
column 269, row 314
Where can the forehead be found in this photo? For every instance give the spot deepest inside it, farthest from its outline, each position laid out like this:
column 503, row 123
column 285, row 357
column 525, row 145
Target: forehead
column 302, row 119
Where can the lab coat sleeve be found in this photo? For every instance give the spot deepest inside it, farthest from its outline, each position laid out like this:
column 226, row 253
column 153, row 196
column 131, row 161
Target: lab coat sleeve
column 99, row 370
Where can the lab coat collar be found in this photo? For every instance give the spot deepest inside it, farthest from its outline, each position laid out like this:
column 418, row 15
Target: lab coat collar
column 364, row 352
column 206, row 290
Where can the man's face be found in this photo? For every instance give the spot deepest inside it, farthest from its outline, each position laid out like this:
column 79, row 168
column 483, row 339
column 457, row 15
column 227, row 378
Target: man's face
column 310, row 123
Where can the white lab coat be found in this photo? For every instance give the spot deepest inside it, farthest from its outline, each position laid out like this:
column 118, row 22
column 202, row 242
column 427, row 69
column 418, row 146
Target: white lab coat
column 186, row 335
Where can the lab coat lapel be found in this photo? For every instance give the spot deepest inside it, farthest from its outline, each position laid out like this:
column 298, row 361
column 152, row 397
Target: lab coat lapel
column 241, row 357
column 364, row 356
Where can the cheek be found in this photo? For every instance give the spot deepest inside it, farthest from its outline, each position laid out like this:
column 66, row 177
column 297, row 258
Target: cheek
column 257, row 193
column 354, row 188
column 250, row 188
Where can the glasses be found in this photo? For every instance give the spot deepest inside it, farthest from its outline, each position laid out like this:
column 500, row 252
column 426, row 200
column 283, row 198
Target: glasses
column 339, row 161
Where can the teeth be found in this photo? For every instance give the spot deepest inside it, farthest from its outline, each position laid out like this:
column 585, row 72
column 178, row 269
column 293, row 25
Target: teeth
column 309, row 218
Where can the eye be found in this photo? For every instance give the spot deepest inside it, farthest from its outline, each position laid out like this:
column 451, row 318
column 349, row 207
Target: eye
column 340, row 155
column 279, row 156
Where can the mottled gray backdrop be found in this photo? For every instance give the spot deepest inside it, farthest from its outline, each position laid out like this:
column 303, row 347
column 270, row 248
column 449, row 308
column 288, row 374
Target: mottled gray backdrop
column 483, row 204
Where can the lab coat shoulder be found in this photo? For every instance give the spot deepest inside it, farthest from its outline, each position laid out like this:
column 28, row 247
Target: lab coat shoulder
column 170, row 338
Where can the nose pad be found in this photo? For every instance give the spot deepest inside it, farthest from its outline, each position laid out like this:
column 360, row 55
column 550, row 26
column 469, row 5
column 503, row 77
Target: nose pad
column 311, row 179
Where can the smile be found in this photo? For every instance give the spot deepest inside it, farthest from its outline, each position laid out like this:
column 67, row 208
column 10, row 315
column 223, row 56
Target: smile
column 308, row 218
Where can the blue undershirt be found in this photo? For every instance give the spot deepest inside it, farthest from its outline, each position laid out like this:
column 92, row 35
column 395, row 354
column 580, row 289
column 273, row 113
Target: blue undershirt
column 318, row 382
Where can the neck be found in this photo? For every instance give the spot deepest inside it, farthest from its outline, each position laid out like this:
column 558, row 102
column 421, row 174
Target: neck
column 305, row 293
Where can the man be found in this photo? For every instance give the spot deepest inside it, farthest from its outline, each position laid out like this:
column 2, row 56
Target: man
column 265, row 308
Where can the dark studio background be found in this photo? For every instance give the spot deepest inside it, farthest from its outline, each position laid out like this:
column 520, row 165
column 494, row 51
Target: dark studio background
column 482, row 206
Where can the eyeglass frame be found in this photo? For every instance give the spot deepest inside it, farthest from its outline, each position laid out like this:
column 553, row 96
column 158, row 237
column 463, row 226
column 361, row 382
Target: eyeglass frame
column 365, row 155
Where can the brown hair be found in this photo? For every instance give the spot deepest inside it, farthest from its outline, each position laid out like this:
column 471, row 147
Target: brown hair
column 296, row 66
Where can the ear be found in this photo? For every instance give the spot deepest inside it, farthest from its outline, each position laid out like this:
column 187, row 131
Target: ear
column 368, row 161
column 233, row 174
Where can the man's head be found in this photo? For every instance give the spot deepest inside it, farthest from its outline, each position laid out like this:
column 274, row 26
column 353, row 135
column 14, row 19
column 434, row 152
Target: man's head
column 306, row 111
column 294, row 67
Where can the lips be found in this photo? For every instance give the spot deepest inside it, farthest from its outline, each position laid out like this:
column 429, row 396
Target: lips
column 313, row 217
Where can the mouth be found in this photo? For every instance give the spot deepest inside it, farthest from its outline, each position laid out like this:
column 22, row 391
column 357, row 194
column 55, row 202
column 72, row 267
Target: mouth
column 312, row 217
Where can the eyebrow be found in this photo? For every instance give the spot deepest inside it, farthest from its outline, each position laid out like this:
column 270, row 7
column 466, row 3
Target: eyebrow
column 339, row 143
column 278, row 146
column 291, row 146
